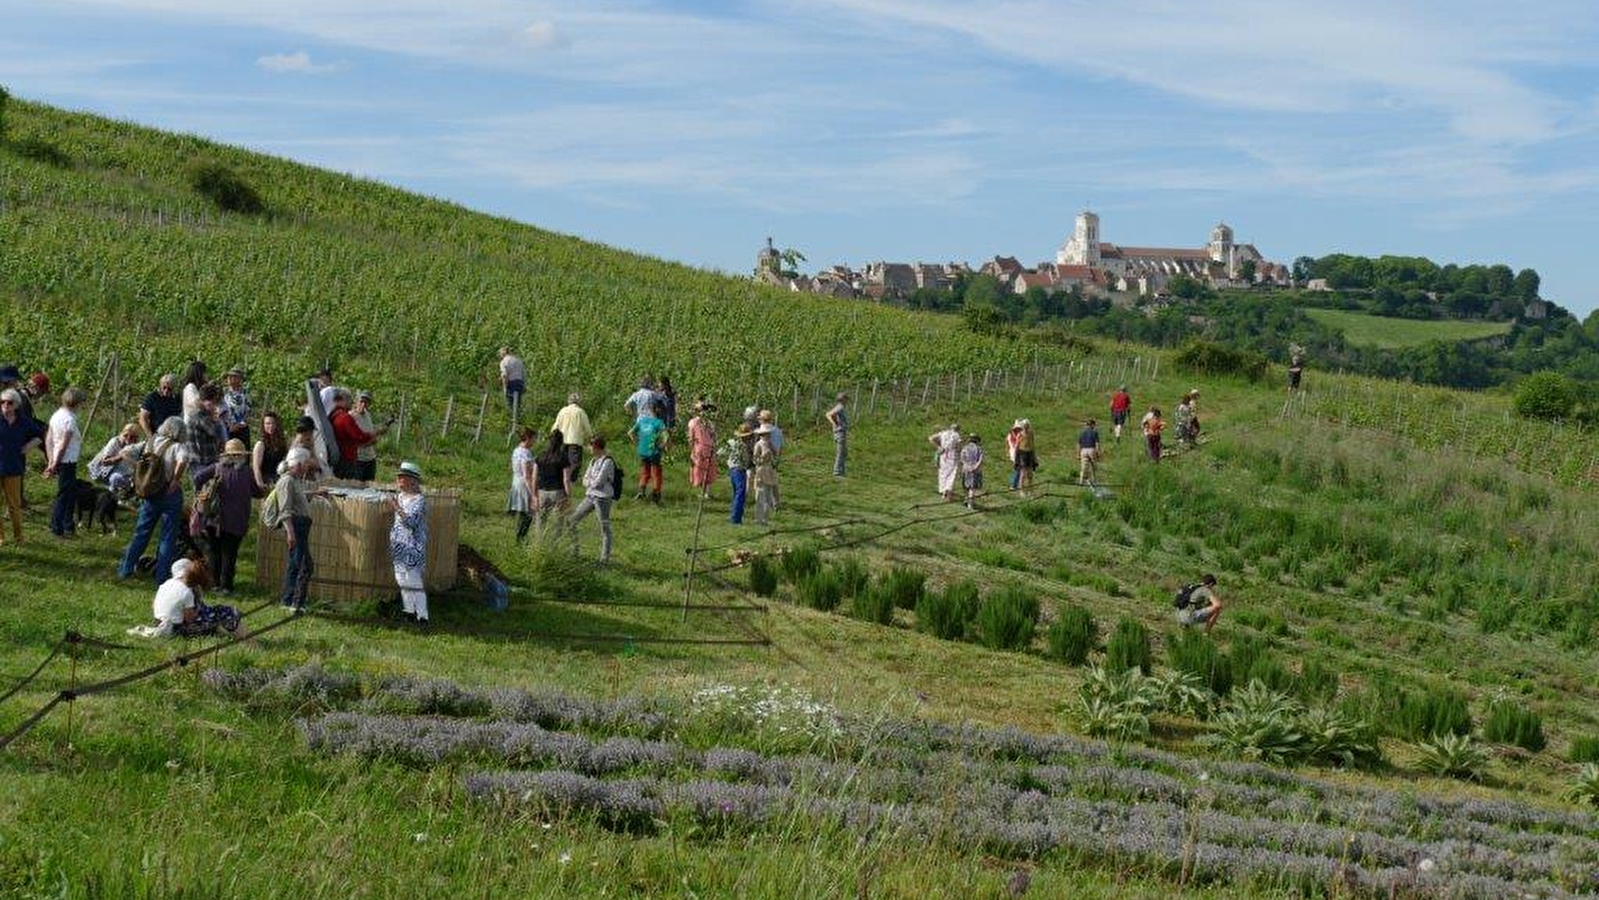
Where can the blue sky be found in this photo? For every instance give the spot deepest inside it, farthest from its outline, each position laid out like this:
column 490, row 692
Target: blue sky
column 857, row 130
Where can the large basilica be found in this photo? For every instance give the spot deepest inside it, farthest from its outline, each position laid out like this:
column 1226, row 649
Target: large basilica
column 1148, row 268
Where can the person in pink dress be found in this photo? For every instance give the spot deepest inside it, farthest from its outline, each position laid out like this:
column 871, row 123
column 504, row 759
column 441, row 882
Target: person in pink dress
column 702, row 448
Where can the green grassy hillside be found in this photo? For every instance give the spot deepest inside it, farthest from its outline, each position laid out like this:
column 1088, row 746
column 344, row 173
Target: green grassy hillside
column 1362, row 329
column 106, row 245
column 1390, row 560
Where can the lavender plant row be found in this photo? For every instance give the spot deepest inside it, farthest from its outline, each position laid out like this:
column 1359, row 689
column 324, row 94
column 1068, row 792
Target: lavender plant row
column 900, row 762
column 1017, row 814
column 1157, row 837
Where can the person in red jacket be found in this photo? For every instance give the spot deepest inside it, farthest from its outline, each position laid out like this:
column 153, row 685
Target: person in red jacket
column 1120, row 404
column 349, row 434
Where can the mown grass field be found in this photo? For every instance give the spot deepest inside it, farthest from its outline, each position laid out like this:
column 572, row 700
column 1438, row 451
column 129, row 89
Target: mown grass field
column 1384, row 333
column 1344, row 542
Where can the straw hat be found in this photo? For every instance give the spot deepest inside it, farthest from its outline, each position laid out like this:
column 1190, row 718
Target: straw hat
column 234, row 447
column 410, row 469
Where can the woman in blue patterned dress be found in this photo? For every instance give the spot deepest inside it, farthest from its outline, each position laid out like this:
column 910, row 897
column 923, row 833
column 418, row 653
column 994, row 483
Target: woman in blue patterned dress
column 408, row 542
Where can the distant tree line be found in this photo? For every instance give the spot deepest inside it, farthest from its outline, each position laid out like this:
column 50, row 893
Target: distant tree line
column 1415, row 287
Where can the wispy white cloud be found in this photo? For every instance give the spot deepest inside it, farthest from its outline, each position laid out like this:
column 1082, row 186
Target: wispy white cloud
column 298, row 63
column 543, row 35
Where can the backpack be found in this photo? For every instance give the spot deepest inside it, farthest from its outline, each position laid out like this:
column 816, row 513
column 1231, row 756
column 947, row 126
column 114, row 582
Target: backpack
column 209, row 500
column 616, row 480
column 272, row 510
column 1185, row 595
column 150, row 475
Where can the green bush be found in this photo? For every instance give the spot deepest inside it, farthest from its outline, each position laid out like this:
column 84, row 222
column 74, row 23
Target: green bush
column 820, row 590
column 1586, row 788
column 1511, row 723
column 904, row 586
column 224, row 187
column 1196, row 654
column 1072, row 635
column 763, row 576
column 852, row 576
column 1006, row 620
column 872, row 605
column 1206, row 358
column 1128, row 647
column 1546, row 395
column 1585, row 749
column 948, row 614
column 1454, row 755
column 1435, row 711
column 800, row 563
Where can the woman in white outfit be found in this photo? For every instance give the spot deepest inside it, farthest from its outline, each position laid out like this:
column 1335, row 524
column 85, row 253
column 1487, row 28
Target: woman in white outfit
column 408, row 542
column 948, row 443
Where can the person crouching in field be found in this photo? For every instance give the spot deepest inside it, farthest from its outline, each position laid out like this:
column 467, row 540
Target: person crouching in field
column 408, row 542
column 1197, row 604
column 179, row 611
column 972, row 469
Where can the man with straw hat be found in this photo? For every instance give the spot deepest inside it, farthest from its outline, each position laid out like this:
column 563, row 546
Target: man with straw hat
column 408, row 542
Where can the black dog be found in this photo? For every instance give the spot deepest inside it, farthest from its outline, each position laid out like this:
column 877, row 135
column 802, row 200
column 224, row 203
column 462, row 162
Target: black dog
column 97, row 505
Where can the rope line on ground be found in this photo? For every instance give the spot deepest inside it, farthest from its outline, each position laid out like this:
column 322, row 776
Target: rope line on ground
column 24, row 682
column 99, row 687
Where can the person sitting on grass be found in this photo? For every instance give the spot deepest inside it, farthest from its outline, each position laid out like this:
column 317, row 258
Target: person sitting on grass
column 1203, row 607
column 179, row 612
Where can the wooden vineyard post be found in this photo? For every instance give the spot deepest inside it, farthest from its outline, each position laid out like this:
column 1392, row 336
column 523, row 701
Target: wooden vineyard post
column 969, row 379
column 399, row 430
column 95, row 405
column 872, row 406
column 927, row 386
column 816, row 399
column 795, row 417
column 449, row 410
column 482, row 408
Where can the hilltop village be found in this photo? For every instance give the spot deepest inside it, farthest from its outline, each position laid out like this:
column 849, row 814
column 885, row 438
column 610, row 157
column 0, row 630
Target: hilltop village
column 1084, row 263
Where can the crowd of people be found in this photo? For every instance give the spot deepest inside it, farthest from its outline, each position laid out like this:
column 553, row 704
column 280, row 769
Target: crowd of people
column 189, row 464
column 553, row 491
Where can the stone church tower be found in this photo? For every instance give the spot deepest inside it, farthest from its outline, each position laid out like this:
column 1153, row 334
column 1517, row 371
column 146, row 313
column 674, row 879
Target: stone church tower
column 769, row 264
column 1082, row 248
column 1221, row 246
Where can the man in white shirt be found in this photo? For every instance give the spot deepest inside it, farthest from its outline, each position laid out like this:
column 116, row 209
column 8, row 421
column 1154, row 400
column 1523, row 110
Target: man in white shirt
column 62, row 445
column 513, row 378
